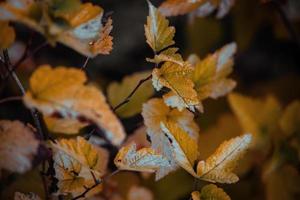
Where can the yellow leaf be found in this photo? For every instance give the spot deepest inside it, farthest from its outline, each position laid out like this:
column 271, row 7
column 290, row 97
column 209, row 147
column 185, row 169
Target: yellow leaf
column 29, row 196
column 257, row 116
column 64, row 126
column 158, row 33
column 77, row 164
column 18, row 146
column 210, row 74
column 117, row 92
column 184, row 147
column 218, row 167
column 7, row 35
column 143, row 160
column 290, row 119
column 62, row 92
column 210, row 192
column 170, row 55
column 154, row 112
column 178, row 79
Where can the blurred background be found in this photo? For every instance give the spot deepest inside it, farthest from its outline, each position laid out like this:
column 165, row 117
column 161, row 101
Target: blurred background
column 267, row 62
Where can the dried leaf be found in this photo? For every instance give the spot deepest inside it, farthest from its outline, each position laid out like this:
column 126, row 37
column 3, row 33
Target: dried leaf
column 18, row 146
column 143, row 160
column 29, row 196
column 178, row 79
column 62, row 92
column 218, row 167
column 158, row 33
column 154, row 112
column 78, row 165
column 117, row 92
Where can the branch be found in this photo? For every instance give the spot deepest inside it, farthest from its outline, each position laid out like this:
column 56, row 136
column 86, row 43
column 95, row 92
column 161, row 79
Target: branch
column 127, row 99
column 82, row 195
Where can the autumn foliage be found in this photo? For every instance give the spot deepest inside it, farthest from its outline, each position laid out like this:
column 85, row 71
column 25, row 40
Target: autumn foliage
column 76, row 141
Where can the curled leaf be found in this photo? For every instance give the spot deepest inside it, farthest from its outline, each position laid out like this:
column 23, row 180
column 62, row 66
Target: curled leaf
column 62, row 92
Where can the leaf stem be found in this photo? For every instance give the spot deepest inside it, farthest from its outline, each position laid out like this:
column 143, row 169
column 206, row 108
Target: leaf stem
column 127, row 99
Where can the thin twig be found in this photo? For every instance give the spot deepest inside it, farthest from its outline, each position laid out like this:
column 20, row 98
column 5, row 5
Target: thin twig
column 34, row 113
column 127, row 99
column 82, row 195
column 8, row 99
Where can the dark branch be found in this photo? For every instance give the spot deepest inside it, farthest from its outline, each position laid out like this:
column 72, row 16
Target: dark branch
column 127, row 99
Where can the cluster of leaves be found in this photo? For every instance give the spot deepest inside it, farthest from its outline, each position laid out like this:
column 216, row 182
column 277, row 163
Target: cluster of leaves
column 78, row 166
column 75, row 24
